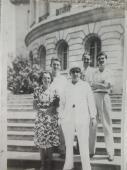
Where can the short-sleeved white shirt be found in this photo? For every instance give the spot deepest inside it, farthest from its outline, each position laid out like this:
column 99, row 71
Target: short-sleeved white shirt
column 101, row 77
column 87, row 74
column 104, row 76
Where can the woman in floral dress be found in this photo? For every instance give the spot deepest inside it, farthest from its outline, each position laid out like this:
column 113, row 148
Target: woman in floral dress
column 46, row 135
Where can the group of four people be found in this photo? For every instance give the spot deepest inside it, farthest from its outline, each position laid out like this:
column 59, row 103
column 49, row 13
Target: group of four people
column 69, row 106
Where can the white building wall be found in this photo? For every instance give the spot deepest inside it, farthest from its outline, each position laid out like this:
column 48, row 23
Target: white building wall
column 111, row 34
column 21, row 28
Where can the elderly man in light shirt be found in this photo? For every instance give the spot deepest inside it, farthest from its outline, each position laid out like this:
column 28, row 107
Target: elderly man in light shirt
column 77, row 107
column 58, row 84
column 87, row 75
column 101, row 86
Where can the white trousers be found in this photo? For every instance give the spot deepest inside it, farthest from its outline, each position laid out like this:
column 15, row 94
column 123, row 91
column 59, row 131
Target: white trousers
column 92, row 138
column 103, row 105
column 82, row 130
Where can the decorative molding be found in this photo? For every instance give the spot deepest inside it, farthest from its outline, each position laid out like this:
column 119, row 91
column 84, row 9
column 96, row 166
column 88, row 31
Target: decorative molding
column 72, row 20
column 17, row 2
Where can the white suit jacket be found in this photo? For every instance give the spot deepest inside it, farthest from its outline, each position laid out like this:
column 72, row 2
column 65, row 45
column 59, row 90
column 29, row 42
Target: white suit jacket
column 77, row 103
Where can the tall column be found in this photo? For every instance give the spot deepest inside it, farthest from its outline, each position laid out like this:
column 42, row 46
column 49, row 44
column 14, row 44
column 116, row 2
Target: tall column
column 32, row 12
column 3, row 83
column 43, row 8
column 37, row 10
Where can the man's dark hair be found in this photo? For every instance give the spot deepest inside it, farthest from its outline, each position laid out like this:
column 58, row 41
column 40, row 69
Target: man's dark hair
column 85, row 54
column 102, row 53
column 55, row 59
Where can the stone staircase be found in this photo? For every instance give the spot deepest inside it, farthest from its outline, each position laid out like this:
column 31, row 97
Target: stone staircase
column 22, row 151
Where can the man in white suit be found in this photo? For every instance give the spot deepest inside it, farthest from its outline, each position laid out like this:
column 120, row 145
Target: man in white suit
column 77, row 107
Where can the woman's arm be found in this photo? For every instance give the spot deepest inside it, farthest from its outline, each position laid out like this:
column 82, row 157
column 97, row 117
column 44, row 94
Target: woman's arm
column 35, row 98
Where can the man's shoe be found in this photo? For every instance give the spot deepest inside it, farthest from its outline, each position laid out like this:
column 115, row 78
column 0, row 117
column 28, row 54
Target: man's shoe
column 110, row 157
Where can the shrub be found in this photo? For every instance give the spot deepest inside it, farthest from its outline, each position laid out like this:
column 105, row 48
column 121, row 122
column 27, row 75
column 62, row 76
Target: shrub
column 21, row 79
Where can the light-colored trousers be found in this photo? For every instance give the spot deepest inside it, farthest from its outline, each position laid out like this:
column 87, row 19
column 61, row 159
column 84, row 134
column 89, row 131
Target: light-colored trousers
column 103, row 105
column 82, row 130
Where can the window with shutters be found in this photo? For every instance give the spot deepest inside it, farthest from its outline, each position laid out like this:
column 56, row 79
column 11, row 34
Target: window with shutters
column 93, row 47
column 62, row 51
column 31, row 58
column 42, row 57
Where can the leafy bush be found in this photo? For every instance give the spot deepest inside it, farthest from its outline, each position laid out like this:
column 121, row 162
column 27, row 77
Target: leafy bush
column 21, row 79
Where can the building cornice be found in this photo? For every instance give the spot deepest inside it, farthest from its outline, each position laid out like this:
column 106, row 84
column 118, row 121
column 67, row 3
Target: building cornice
column 72, row 20
column 17, row 2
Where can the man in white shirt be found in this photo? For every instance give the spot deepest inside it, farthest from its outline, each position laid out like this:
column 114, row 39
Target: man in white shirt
column 77, row 108
column 101, row 86
column 58, row 84
column 88, row 72
column 87, row 75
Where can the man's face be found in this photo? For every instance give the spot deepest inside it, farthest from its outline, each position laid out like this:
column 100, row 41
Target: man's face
column 86, row 60
column 75, row 74
column 56, row 66
column 102, row 61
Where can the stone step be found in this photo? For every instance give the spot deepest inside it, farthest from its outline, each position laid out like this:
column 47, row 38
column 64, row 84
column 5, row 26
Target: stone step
column 29, row 135
column 29, row 98
column 100, row 149
column 30, row 127
column 28, row 146
column 30, row 106
column 22, row 109
column 15, row 105
column 20, row 96
column 116, row 137
column 25, row 103
column 15, row 120
column 21, row 115
column 114, row 100
column 97, row 163
column 36, row 157
column 116, row 109
column 116, row 129
column 116, row 104
column 32, row 114
column 31, row 143
column 32, row 119
column 20, row 135
column 20, row 127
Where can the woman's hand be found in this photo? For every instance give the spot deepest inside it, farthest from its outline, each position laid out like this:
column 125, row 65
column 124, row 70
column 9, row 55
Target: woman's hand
column 59, row 121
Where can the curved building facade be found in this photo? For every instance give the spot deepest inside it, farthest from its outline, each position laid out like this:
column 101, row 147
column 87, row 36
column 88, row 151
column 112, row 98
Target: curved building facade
column 68, row 30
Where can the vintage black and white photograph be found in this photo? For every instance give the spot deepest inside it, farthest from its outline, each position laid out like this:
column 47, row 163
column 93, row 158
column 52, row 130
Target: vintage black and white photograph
column 63, row 88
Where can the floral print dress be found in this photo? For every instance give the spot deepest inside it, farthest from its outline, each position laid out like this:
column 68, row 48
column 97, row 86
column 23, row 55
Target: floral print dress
column 46, row 123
